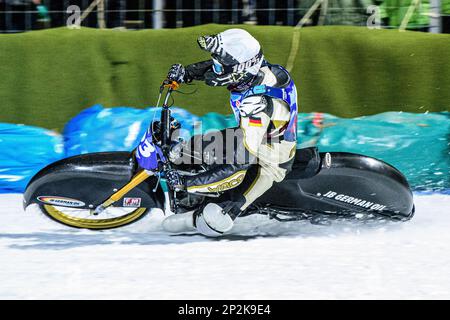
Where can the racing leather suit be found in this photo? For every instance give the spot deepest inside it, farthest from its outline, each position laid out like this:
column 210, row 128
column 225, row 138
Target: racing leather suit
column 263, row 120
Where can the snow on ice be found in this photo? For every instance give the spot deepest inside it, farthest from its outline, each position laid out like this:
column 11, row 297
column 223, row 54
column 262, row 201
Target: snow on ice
column 261, row 259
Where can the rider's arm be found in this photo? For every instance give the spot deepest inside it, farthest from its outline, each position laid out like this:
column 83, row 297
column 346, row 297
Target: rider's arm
column 196, row 71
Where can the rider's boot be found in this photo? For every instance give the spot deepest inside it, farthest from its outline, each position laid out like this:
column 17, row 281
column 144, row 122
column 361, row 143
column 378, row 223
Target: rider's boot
column 212, row 221
column 181, row 222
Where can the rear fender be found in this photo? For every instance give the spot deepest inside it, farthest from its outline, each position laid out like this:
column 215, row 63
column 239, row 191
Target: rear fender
column 344, row 181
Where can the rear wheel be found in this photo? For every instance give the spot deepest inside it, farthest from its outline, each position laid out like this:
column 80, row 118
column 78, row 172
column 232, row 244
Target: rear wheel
column 111, row 217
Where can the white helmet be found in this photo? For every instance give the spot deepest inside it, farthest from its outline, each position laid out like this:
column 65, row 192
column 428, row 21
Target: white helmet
column 237, row 57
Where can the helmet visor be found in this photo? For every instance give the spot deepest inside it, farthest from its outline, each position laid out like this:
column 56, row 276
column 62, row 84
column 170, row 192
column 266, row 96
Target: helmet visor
column 221, row 67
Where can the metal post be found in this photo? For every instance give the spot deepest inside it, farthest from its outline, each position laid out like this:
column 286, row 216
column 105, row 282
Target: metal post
column 64, row 13
column 157, row 14
column 179, row 14
column 7, row 17
column 142, row 12
column 272, row 16
column 198, row 15
column 323, row 12
column 122, row 13
column 101, row 14
column 28, row 15
column 290, row 13
column 234, row 12
column 216, row 5
column 249, row 11
column 435, row 16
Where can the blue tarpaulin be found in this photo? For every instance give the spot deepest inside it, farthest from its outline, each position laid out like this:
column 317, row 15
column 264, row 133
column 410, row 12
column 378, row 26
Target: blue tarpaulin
column 100, row 129
column 417, row 144
column 24, row 150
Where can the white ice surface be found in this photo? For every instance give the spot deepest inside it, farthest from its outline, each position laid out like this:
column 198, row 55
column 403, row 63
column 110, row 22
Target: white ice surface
column 262, row 259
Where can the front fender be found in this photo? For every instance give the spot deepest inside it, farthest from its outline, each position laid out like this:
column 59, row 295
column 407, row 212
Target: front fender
column 85, row 181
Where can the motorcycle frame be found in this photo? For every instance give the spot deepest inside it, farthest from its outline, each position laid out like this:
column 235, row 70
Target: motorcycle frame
column 165, row 147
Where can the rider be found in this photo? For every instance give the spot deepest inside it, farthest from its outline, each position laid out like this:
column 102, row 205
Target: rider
column 264, row 101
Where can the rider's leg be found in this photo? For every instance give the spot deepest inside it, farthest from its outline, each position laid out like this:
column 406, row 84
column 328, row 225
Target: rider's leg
column 218, row 218
column 216, row 213
column 274, row 163
column 178, row 223
column 218, row 179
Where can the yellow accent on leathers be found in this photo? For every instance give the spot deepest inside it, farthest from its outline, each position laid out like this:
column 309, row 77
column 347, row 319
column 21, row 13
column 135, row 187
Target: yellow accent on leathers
column 225, row 184
column 270, row 156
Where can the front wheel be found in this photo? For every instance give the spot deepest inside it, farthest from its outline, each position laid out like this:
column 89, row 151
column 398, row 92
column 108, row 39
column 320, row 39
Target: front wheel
column 112, row 217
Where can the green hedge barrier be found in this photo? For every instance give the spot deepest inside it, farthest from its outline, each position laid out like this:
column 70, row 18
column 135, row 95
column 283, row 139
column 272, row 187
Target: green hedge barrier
column 47, row 77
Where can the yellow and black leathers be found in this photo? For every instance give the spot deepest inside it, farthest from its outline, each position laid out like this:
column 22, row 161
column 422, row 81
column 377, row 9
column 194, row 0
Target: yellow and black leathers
column 260, row 156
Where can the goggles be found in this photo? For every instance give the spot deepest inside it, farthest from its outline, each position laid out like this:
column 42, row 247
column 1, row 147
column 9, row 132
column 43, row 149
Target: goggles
column 220, row 68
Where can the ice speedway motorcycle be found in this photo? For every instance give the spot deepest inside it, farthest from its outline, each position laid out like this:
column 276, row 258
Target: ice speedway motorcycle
column 112, row 189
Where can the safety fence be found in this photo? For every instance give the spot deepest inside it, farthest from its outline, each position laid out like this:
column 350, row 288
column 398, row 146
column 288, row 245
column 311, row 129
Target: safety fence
column 25, row 15
column 417, row 144
column 52, row 75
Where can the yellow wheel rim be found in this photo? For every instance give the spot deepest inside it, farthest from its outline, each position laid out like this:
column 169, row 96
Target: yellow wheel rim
column 96, row 224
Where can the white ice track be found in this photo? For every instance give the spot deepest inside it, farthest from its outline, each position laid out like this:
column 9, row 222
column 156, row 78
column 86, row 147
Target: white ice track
column 40, row 259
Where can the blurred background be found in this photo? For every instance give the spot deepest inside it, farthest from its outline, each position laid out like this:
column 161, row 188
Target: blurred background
column 421, row 15
column 364, row 85
column 373, row 78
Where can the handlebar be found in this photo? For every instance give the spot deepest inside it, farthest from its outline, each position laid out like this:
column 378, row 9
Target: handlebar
column 165, row 114
column 172, row 85
column 166, row 134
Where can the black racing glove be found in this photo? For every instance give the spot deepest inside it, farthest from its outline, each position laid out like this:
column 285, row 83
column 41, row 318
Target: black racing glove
column 177, row 73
